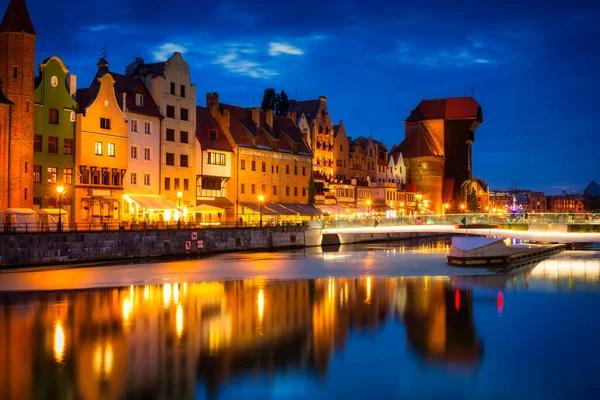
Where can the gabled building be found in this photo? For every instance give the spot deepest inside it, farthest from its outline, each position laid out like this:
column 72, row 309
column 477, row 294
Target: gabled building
column 396, row 167
column 102, row 155
column 341, row 154
column 214, row 158
column 271, row 159
column 17, row 60
column 54, row 136
column 169, row 83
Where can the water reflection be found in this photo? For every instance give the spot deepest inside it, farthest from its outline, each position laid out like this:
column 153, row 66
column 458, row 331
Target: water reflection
column 159, row 341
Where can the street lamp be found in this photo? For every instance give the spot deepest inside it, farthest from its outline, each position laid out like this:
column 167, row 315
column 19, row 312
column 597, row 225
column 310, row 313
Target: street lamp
column 60, row 190
column 261, row 199
column 369, row 207
column 179, row 196
column 462, row 207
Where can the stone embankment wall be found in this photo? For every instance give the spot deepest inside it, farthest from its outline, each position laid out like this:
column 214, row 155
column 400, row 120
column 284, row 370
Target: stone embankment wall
column 21, row 249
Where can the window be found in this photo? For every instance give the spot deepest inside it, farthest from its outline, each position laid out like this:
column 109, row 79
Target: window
column 15, row 75
column 147, row 128
column 264, row 167
column 303, row 192
column 37, row 174
column 68, row 176
column 182, row 90
column 277, row 169
column 173, row 88
column 37, row 201
column 170, row 159
column 139, row 100
column 52, row 172
column 72, row 116
column 272, row 168
column 183, row 160
column 170, row 112
column 37, row 143
column 295, row 190
column 243, row 188
column 134, row 152
column 287, row 190
column 105, row 177
column 26, row 170
column 184, row 114
column 341, row 149
column 253, row 188
column 295, row 170
column 53, row 116
column 85, row 177
column 213, row 134
column 183, row 137
column 146, row 179
column 111, row 149
column 186, row 184
column 171, row 135
column 27, row 106
column 274, row 190
column 219, row 159
column 25, row 193
column 287, row 169
column 167, row 183
column 105, row 123
column 253, row 165
column 96, row 178
column 176, row 184
column 147, row 153
column 133, row 179
column 52, row 144
column 68, row 146
column 134, row 125
column 263, row 188
column 243, row 165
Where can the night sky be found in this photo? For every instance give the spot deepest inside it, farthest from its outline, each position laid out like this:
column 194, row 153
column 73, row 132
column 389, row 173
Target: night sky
column 533, row 66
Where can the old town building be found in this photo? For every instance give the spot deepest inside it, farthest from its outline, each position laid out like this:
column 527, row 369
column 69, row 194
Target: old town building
column 566, row 203
column 17, row 58
column 169, row 82
column 102, row 152
column 271, row 162
column 54, row 136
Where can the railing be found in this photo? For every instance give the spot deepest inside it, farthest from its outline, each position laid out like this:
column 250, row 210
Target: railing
column 123, row 226
column 456, row 219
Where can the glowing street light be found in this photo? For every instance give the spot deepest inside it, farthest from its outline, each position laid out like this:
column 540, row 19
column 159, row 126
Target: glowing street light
column 462, row 207
column 261, row 200
column 60, row 190
column 369, row 207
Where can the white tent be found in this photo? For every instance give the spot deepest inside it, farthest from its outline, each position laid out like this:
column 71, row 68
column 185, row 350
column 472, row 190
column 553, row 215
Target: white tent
column 19, row 220
column 49, row 219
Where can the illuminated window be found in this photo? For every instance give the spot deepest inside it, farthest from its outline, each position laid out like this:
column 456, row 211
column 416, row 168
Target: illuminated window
column 134, row 125
column 111, row 149
column 98, row 148
column 134, row 152
column 133, row 178
column 68, row 176
column 37, row 174
column 68, row 146
column 52, row 172
column 146, row 179
column 139, row 100
column 219, row 159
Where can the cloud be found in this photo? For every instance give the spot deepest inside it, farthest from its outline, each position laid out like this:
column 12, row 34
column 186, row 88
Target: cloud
column 235, row 61
column 417, row 54
column 276, row 49
column 98, row 28
column 166, row 50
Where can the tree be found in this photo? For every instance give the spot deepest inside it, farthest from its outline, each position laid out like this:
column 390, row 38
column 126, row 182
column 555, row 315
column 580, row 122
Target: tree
column 472, row 201
column 269, row 100
column 312, row 191
column 283, row 104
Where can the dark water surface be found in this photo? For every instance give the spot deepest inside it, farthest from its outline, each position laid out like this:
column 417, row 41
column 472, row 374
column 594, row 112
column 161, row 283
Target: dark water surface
column 361, row 334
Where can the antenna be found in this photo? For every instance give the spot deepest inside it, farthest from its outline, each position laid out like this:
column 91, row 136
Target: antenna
column 472, row 92
column 371, row 130
column 104, row 52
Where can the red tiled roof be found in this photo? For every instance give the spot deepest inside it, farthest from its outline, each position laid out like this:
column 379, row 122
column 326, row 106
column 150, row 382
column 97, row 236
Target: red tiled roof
column 419, row 144
column 16, row 18
column 310, row 108
column 451, row 108
column 245, row 132
column 85, row 97
column 204, row 124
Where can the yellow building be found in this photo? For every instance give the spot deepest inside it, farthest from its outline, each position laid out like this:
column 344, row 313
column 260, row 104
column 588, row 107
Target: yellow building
column 102, row 153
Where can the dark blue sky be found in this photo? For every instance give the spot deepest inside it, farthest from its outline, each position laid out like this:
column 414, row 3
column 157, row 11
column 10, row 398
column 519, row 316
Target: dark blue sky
column 530, row 63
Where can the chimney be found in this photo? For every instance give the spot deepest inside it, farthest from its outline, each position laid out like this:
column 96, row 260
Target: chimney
column 256, row 115
column 212, row 99
column 72, row 82
column 269, row 117
column 227, row 118
column 293, row 115
column 323, row 99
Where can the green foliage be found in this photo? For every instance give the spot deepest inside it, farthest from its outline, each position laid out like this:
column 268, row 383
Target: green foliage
column 269, row 100
column 283, row 104
column 278, row 102
column 312, row 190
column 472, row 201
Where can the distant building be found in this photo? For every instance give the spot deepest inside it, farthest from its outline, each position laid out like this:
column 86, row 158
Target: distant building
column 17, row 62
column 537, row 202
column 341, row 154
column 54, row 136
column 592, row 190
column 566, row 203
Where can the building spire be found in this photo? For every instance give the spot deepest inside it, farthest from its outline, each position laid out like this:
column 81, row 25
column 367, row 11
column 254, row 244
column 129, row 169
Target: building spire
column 17, row 19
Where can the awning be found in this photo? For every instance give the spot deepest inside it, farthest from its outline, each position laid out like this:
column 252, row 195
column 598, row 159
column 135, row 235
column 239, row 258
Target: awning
column 255, row 207
column 99, row 199
column 303, row 209
column 205, row 208
column 224, row 202
column 151, row 201
column 279, row 209
column 332, row 209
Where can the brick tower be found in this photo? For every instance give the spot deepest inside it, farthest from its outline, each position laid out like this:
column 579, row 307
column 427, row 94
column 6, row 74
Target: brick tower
column 17, row 60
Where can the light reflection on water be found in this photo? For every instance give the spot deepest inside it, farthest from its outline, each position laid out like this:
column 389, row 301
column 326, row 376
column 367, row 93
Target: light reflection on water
column 308, row 338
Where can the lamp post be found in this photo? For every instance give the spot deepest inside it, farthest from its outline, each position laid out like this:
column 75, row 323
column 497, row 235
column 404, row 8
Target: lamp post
column 179, row 196
column 261, row 199
column 60, row 190
column 369, row 207
column 462, row 207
